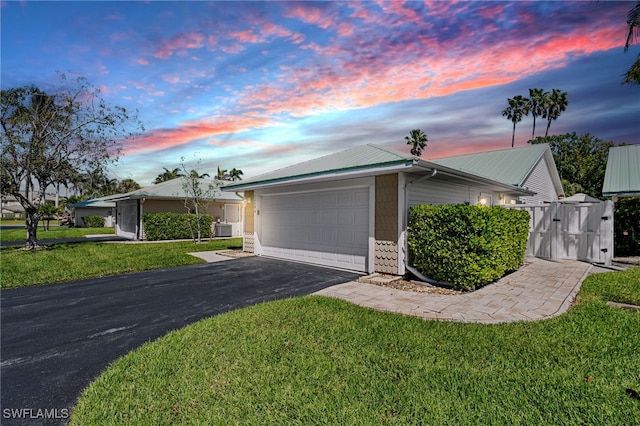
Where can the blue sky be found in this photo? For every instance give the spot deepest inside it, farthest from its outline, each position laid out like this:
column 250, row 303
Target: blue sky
column 262, row 85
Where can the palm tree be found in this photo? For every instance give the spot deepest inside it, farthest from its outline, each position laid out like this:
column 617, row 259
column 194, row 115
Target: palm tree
column 518, row 108
column 127, row 185
column 537, row 102
column 222, row 174
column 235, row 174
column 557, row 102
column 168, row 175
column 194, row 174
column 418, row 141
column 633, row 20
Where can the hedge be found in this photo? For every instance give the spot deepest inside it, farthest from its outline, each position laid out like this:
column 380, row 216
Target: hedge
column 93, row 221
column 174, row 226
column 467, row 246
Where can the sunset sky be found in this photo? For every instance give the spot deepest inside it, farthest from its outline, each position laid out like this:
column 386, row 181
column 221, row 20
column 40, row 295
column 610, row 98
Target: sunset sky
column 259, row 86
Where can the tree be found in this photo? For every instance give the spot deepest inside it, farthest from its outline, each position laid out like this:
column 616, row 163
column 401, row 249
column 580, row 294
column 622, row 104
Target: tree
column 198, row 194
column 222, row 174
column 581, row 161
column 556, row 104
column 418, row 141
column 47, row 138
column 632, row 76
column 518, row 108
column 537, row 105
column 127, row 185
column 47, row 211
column 168, row 175
column 197, row 175
column 235, row 174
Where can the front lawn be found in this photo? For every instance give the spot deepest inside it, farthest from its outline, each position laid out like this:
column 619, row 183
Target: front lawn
column 315, row 360
column 54, row 232
column 75, row 261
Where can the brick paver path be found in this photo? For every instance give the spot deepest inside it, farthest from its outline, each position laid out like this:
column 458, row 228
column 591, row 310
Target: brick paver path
column 540, row 289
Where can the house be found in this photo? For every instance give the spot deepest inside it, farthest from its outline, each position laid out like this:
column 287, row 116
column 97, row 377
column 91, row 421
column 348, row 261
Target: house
column 104, row 206
column 622, row 175
column 350, row 209
column 224, row 207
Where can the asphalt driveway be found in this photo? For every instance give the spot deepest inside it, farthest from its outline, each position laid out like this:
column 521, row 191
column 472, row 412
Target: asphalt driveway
column 56, row 339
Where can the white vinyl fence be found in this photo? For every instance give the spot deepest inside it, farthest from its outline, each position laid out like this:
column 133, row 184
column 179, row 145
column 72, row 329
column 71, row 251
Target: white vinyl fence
column 580, row 231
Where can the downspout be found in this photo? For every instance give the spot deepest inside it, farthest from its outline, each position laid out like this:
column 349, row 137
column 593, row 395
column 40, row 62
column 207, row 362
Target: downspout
column 140, row 213
column 408, row 267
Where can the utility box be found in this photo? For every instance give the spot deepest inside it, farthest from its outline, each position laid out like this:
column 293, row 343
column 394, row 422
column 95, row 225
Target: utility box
column 223, row 230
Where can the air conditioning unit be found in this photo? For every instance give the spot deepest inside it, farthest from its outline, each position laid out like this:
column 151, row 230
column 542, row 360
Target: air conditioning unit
column 223, row 230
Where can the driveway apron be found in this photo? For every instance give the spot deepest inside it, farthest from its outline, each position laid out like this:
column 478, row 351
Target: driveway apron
column 57, row 338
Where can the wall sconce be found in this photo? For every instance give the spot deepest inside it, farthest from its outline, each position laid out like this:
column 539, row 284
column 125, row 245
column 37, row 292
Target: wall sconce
column 483, row 201
column 512, row 201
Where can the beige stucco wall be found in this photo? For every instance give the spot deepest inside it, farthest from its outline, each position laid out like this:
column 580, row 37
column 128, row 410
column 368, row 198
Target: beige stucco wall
column 386, row 224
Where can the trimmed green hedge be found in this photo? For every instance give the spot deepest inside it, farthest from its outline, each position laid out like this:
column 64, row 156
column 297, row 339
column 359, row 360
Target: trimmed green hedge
column 93, row 221
column 174, row 226
column 467, row 246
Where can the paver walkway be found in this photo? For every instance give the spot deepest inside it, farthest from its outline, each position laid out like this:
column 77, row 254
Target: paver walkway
column 540, row 289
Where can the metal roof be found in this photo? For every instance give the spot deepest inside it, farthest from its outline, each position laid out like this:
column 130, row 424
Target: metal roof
column 361, row 160
column 352, row 159
column 172, row 189
column 622, row 176
column 511, row 165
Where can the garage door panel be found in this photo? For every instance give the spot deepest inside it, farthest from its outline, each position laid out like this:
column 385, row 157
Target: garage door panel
column 329, row 227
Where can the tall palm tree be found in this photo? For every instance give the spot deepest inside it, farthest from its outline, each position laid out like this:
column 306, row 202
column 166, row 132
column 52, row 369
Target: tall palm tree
column 537, row 104
column 418, row 141
column 235, row 174
column 518, row 108
column 556, row 104
column 168, row 175
column 633, row 20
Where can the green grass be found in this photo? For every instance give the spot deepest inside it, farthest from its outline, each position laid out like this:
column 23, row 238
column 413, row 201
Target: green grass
column 53, row 233
column 315, row 360
column 75, row 261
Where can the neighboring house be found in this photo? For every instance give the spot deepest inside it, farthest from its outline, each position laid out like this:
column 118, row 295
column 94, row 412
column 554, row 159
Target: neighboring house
column 350, row 209
column 104, row 206
column 622, row 176
column 170, row 197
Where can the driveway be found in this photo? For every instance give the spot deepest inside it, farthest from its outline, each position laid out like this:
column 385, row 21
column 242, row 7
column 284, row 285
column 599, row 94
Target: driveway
column 56, row 339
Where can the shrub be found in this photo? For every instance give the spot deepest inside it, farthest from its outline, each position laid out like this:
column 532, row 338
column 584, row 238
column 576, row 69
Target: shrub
column 174, row 226
column 627, row 227
column 93, row 221
column 467, row 246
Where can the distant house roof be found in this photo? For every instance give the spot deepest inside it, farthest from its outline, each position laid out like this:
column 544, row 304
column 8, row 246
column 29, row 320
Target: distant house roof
column 98, row 202
column 362, row 159
column 622, row 176
column 172, row 190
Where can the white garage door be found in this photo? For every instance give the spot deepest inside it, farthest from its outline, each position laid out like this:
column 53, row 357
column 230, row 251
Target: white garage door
column 328, row 228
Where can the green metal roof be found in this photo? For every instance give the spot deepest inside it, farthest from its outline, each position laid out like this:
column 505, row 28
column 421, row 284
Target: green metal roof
column 172, row 189
column 622, row 176
column 511, row 165
column 357, row 158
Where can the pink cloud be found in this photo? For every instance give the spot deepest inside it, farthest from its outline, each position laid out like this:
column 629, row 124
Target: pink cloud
column 189, row 131
column 179, row 44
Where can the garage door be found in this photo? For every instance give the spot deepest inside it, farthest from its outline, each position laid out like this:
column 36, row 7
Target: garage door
column 328, row 228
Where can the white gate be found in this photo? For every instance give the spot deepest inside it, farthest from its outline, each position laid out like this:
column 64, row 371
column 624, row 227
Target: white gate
column 580, row 231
